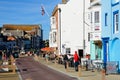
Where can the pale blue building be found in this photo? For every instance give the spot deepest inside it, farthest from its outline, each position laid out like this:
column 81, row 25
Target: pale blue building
column 111, row 30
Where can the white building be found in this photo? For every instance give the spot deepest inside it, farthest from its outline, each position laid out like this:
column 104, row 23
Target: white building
column 70, row 30
column 95, row 32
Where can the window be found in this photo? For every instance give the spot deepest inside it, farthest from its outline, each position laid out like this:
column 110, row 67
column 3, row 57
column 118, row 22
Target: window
column 96, row 16
column 106, row 16
column 54, row 37
column 67, row 50
column 53, row 20
column 91, row 18
column 88, row 36
column 116, row 21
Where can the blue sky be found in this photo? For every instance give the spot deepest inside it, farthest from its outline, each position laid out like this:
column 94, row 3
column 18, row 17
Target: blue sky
column 27, row 12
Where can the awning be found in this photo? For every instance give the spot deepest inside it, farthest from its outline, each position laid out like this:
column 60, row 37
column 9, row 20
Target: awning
column 47, row 49
column 98, row 43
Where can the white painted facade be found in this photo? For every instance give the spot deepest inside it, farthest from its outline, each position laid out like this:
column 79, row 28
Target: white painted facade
column 70, row 27
column 95, row 26
column 53, row 33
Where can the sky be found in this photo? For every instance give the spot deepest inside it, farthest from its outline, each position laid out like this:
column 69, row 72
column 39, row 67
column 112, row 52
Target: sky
column 27, row 12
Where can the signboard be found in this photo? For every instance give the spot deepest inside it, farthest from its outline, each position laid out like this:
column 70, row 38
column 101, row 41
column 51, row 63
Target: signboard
column 112, row 67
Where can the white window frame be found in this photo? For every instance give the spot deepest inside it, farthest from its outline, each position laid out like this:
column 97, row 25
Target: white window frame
column 116, row 22
column 96, row 17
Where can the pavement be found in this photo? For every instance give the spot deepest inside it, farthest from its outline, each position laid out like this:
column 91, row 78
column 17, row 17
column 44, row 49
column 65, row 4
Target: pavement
column 83, row 75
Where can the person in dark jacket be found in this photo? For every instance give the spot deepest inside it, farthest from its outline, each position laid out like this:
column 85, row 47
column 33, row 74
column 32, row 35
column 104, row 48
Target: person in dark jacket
column 65, row 58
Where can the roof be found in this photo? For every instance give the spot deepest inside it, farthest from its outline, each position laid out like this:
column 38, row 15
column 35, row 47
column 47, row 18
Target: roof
column 20, row 27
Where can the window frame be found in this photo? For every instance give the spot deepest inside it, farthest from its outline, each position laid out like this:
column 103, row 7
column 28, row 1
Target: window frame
column 96, row 17
column 116, row 22
column 106, row 19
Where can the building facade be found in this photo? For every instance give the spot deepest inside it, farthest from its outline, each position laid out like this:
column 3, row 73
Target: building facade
column 27, row 36
column 111, row 30
column 70, row 29
column 95, row 30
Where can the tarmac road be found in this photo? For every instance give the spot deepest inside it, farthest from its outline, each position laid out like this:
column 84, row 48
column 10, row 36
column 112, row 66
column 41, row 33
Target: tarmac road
column 32, row 70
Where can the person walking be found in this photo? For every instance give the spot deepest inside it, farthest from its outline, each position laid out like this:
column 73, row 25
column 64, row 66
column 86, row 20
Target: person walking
column 76, row 61
column 65, row 58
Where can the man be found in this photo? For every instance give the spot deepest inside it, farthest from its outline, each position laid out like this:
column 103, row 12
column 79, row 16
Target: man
column 76, row 61
column 65, row 60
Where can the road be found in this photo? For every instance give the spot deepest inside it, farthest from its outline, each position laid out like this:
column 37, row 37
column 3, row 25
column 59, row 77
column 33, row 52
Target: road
column 32, row 70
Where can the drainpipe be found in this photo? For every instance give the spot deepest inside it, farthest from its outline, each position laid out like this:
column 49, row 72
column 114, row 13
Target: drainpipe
column 60, row 27
column 84, row 28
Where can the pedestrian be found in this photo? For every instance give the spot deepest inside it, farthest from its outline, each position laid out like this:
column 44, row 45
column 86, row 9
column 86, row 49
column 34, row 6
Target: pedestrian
column 76, row 61
column 65, row 58
column 46, row 57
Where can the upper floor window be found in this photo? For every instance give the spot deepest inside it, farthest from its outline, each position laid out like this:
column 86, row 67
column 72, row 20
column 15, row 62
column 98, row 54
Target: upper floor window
column 88, row 36
column 53, row 20
column 116, row 21
column 54, row 37
column 91, row 15
column 96, row 17
column 106, row 18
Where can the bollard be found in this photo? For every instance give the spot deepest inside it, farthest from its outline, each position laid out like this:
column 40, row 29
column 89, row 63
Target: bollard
column 55, row 61
column 13, row 68
column 36, row 57
column 86, row 65
column 12, row 63
column 46, row 57
column 103, row 74
column 67, row 66
column 79, row 70
column 47, row 60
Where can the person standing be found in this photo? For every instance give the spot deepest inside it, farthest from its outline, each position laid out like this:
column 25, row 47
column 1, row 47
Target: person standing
column 76, row 61
column 65, row 58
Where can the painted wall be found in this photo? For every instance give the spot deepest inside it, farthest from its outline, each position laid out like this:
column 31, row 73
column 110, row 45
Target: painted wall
column 108, row 36
column 95, row 32
column 72, row 25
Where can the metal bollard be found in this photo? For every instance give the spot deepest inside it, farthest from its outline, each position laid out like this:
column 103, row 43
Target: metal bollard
column 79, row 70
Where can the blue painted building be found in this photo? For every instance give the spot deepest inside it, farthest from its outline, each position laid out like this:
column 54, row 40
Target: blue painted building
column 111, row 30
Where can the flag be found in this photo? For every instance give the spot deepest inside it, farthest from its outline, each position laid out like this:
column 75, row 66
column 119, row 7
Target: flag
column 42, row 10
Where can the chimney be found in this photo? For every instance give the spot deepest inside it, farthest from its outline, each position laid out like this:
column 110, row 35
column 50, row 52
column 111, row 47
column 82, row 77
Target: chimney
column 64, row 1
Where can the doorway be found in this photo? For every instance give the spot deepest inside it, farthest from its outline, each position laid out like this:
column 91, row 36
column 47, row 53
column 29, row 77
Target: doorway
column 80, row 52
